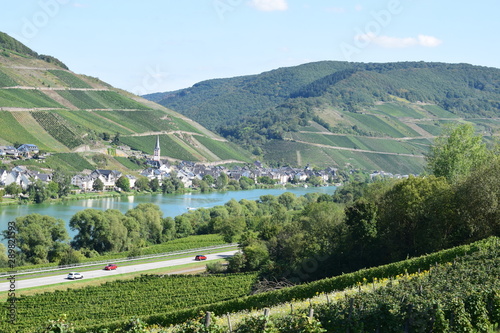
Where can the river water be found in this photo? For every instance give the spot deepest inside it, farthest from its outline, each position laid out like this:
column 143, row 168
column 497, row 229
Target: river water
column 170, row 204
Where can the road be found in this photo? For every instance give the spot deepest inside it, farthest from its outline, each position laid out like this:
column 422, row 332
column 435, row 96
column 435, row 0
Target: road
column 61, row 278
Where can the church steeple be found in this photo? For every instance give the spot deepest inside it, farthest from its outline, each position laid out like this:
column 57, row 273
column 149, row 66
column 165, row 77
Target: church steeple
column 156, row 154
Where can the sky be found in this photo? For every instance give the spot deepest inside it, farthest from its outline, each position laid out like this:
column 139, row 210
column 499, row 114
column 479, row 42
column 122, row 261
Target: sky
column 164, row 45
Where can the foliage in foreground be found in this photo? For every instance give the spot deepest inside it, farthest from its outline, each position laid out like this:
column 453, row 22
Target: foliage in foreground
column 459, row 295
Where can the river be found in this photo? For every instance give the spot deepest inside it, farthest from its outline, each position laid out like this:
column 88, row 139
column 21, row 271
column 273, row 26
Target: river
column 170, row 204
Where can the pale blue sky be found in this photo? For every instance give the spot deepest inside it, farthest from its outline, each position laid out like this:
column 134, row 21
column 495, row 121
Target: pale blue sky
column 161, row 45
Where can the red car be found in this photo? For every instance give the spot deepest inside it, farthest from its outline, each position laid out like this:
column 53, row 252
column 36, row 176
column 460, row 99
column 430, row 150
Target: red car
column 110, row 267
column 200, row 257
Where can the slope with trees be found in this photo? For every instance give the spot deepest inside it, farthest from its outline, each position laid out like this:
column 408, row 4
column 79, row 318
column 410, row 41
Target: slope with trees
column 391, row 100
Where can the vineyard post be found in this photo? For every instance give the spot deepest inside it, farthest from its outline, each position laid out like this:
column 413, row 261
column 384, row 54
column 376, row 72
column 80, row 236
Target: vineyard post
column 266, row 312
column 207, row 319
column 229, row 323
column 311, row 313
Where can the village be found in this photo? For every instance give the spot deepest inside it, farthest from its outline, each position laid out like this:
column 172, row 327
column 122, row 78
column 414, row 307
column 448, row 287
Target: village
column 190, row 174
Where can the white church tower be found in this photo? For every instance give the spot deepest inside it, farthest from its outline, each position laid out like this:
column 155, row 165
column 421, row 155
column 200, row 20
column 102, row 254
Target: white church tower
column 156, row 154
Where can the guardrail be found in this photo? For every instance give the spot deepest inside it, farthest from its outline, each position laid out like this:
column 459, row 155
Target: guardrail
column 102, row 262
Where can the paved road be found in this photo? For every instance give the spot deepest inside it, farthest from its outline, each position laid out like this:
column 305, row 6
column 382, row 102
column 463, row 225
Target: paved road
column 61, row 278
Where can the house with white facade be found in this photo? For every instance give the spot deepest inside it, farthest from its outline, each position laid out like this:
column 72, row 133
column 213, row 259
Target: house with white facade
column 108, row 177
column 84, row 182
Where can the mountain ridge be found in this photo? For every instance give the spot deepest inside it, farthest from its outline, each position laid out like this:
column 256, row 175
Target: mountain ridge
column 273, row 111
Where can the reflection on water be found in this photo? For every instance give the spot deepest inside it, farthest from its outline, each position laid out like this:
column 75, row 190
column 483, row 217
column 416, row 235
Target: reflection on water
column 171, row 204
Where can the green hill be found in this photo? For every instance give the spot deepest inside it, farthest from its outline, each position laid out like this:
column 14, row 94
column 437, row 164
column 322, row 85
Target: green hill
column 365, row 115
column 42, row 102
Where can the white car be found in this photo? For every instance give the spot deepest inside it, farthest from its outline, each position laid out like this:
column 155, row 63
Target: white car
column 74, row 276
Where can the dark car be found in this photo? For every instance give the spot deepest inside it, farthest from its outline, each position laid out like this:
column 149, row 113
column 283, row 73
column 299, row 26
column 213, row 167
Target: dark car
column 110, row 267
column 200, row 257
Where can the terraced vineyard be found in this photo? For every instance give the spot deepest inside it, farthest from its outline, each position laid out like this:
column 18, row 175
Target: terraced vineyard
column 220, row 149
column 6, row 81
column 12, row 128
column 168, row 146
column 56, row 126
column 120, row 300
column 69, row 161
column 69, row 79
column 140, row 121
column 22, row 98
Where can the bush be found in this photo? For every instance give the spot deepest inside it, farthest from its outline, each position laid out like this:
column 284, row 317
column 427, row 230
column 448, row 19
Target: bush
column 216, row 267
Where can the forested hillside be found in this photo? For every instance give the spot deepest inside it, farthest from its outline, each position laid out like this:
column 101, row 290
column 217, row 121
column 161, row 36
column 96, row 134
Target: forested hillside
column 43, row 103
column 371, row 116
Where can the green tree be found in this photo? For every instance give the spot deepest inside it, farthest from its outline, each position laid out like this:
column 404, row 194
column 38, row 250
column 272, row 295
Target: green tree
column 63, row 180
column 477, row 199
column 208, row 179
column 222, row 181
column 230, row 228
column 39, row 238
column 287, row 199
column 71, row 256
column 98, row 185
column 116, row 139
column 168, row 186
column 53, row 189
column 13, row 189
column 123, row 183
column 4, row 259
column 149, row 218
column 37, row 191
column 361, row 221
column 455, row 154
column 99, row 231
column 142, row 184
column 154, row 185
column 416, row 217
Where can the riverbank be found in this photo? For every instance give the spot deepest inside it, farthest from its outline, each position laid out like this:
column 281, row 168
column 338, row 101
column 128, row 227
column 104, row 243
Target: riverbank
column 6, row 201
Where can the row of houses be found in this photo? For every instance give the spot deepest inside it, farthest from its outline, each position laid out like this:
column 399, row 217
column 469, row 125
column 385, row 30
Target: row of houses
column 187, row 172
column 22, row 177
column 26, row 149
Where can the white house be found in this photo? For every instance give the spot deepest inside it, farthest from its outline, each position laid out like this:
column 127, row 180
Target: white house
column 85, row 183
column 108, row 177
